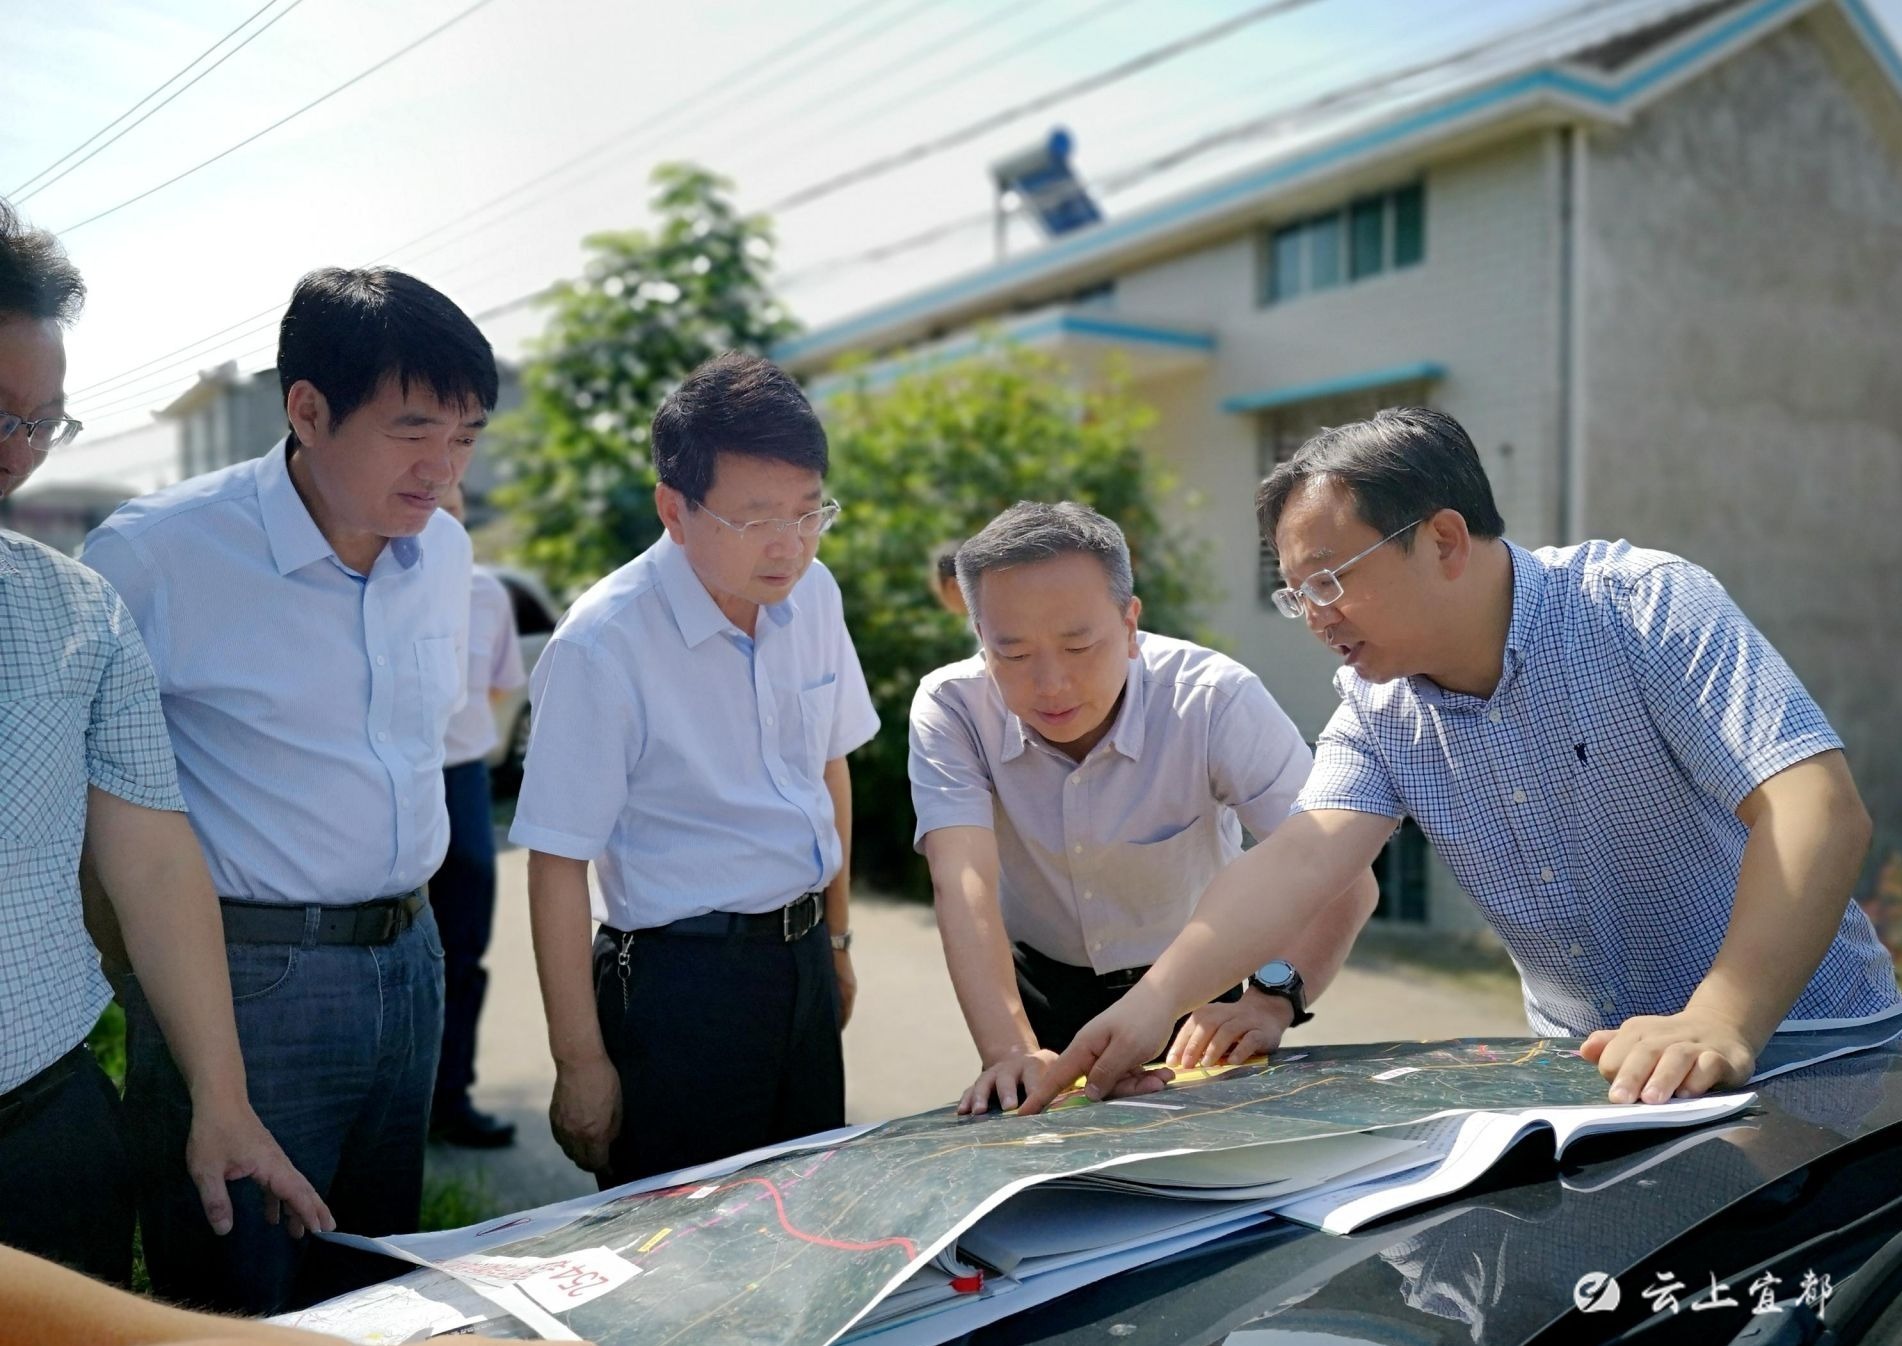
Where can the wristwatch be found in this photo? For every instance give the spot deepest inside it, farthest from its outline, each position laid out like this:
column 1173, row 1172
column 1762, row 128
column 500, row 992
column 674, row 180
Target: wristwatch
column 843, row 941
column 1279, row 978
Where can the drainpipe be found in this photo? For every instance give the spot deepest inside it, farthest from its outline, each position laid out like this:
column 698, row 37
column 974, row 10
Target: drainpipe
column 1573, row 156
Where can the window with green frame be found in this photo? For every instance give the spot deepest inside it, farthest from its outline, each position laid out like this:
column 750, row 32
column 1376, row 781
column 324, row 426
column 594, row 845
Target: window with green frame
column 1370, row 234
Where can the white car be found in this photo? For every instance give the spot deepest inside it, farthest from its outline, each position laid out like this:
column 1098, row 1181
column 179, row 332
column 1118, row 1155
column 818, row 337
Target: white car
column 535, row 616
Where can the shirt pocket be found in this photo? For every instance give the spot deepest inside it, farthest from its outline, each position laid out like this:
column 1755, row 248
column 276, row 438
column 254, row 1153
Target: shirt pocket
column 1160, row 880
column 42, row 769
column 438, row 678
column 817, row 706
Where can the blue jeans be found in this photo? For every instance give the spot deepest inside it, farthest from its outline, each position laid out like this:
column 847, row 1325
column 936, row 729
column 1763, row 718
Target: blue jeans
column 340, row 1045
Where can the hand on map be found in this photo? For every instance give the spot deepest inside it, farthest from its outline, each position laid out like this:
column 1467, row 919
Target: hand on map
column 228, row 1143
column 1231, row 1030
column 1007, row 1080
column 585, row 1113
column 848, row 985
column 1111, row 1050
column 1656, row 1057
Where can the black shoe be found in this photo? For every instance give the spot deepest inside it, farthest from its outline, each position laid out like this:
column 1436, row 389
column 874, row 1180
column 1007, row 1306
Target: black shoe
column 470, row 1129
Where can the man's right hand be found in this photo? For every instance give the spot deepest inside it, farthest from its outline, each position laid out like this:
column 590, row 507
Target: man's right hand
column 1007, row 1080
column 585, row 1113
column 1110, row 1050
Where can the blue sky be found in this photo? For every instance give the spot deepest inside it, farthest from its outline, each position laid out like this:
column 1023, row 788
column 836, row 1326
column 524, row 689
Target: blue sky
column 517, row 87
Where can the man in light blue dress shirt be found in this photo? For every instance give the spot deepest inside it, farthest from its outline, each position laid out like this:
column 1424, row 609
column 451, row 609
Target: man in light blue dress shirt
column 86, row 770
column 692, row 716
column 1078, row 783
column 308, row 613
column 1647, row 806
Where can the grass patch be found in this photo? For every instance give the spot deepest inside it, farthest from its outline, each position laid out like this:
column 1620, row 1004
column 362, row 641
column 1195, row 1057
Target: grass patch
column 452, row 1200
column 107, row 1041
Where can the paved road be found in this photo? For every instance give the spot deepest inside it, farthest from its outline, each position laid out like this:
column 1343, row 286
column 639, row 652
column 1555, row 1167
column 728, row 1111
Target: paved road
column 906, row 1047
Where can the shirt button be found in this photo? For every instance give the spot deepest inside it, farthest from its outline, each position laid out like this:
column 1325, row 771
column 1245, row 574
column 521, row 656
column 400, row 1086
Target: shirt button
column 1576, row 949
column 382, row 736
column 380, row 661
column 403, row 800
column 1518, row 796
column 1078, row 848
column 1087, row 895
column 1495, row 717
column 1545, row 876
column 769, row 722
column 1097, row 947
column 1609, row 1006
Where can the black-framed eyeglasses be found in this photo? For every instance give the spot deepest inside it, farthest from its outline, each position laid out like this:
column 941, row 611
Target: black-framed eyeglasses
column 808, row 525
column 43, row 435
column 1323, row 587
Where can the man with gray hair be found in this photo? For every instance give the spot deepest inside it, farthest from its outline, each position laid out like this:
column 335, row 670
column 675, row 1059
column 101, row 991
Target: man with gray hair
column 1077, row 784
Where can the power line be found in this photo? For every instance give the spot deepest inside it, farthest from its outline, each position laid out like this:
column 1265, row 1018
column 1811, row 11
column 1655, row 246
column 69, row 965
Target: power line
column 154, row 111
column 645, row 128
column 1102, row 79
column 258, row 135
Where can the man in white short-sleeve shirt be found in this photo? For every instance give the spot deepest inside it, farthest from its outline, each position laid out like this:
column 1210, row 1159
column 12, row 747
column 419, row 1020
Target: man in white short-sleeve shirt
column 692, row 716
column 1078, row 783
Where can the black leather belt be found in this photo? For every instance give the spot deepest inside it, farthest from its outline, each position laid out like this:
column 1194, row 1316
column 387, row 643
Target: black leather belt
column 17, row 1103
column 378, row 922
column 794, row 921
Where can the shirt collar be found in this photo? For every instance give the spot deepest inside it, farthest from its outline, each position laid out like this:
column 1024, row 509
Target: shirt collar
column 695, row 613
column 295, row 539
column 1125, row 736
column 1528, row 595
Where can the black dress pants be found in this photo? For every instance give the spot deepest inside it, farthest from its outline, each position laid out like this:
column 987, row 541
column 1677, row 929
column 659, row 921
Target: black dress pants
column 723, row 1043
column 66, row 1187
column 1060, row 998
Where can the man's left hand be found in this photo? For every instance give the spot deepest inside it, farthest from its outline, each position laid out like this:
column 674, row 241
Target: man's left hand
column 848, row 985
column 1231, row 1030
column 1657, row 1057
column 229, row 1143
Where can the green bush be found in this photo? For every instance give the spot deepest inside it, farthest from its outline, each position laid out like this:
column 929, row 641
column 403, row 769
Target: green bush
column 930, row 459
column 107, row 1041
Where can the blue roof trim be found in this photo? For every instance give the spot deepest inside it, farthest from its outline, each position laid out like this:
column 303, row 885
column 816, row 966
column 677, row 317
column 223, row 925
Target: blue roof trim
column 1872, row 33
column 1103, row 237
column 1423, row 371
column 1051, row 325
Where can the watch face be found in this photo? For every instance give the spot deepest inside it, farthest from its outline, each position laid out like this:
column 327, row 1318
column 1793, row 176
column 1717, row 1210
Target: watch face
column 1276, row 973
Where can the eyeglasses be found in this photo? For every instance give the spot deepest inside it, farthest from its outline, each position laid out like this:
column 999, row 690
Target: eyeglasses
column 759, row 530
column 43, row 435
column 1323, row 587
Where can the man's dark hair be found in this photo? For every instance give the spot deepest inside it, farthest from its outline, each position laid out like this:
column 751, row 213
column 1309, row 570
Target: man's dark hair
column 1031, row 531
column 734, row 403
column 346, row 331
column 1406, row 463
column 944, row 562
column 36, row 279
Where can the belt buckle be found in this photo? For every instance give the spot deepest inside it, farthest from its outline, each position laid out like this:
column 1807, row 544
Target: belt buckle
column 804, row 906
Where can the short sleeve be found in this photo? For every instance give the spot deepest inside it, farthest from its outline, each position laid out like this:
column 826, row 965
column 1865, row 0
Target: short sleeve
column 586, row 736
column 950, row 780
column 1258, row 761
column 1729, row 707
column 138, row 582
column 1347, row 773
column 128, row 751
column 856, row 721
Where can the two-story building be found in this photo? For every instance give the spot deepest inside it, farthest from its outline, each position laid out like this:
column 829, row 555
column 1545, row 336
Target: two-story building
column 1657, row 277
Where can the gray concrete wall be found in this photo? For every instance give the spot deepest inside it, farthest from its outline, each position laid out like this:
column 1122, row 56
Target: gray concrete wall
column 1743, row 362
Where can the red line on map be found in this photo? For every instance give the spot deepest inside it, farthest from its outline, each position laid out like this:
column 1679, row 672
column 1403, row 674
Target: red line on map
column 843, row 1245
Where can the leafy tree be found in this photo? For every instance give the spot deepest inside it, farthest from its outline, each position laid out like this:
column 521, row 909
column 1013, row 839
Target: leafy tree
column 650, row 306
column 930, row 459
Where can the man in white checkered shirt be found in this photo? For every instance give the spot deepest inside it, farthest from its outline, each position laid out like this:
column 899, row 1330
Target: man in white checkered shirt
column 85, row 762
column 1647, row 806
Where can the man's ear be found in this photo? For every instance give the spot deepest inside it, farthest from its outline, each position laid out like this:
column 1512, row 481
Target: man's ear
column 671, row 505
column 1130, row 618
column 308, row 411
column 1452, row 544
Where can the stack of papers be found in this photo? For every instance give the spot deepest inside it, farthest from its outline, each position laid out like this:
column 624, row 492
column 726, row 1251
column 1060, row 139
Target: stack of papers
column 917, row 1231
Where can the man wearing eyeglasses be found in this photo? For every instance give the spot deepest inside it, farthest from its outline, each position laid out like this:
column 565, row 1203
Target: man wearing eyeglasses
column 86, row 768
column 693, row 712
column 1644, row 802
column 1077, row 785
